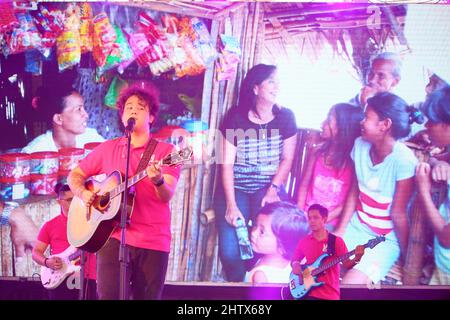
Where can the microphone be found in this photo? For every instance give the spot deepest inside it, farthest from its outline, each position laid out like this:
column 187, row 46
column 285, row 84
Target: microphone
column 130, row 124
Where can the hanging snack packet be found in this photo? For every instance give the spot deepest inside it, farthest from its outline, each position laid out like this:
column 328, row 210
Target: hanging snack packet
column 138, row 44
column 154, row 35
column 86, row 27
column 50, row 24
column 22, row 38
column 68, row 49
column 230, row 44
column 121, row 52
column 8, row 20
column 117, row 84
column 226, row 65
column 203, row 42
column 104, row 38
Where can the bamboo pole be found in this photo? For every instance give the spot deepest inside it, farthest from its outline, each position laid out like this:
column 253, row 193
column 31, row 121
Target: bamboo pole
column 260, row 38
column 176, row 207
column 211, row 239
column 416, row 246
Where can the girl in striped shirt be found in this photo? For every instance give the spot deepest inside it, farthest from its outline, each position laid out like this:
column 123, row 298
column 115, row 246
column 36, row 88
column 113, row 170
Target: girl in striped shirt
column 378, row 200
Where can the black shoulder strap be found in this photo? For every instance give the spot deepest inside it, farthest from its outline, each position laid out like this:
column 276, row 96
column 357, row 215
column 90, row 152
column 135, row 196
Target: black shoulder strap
column 331, row 245
column 147, row 154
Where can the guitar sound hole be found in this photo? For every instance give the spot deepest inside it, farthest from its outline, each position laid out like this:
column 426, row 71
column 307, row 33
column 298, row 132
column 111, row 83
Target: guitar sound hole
column 104, row 201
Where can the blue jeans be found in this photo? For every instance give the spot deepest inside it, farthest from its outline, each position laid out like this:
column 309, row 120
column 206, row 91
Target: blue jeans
column 249, row 204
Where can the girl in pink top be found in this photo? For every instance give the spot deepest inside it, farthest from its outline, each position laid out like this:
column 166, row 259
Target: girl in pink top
column 328, row 171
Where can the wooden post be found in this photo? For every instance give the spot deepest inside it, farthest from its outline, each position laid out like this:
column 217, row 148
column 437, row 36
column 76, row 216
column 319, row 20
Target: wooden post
column 412, row 269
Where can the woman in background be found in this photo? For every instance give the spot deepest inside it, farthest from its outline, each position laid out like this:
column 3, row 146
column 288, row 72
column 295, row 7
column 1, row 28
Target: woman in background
column 260, row 137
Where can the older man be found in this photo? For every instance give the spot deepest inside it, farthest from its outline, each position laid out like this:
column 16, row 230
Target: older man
column 383, row 76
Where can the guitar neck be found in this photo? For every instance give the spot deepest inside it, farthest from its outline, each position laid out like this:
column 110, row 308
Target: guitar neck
column 131, row 182
column 333, row 262
column 171, row 160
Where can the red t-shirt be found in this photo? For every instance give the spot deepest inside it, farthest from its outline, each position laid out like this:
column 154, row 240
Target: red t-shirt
column 310, row 248
column 54, row 234
column 150, row 219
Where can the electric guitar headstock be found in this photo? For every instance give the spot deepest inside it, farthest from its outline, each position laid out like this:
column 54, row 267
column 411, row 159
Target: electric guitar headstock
column 373, row 242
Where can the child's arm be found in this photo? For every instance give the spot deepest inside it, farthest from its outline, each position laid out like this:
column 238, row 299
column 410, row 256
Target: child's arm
column 306, row 177
column 440, row 227
column 349, row 206
column 403, row 192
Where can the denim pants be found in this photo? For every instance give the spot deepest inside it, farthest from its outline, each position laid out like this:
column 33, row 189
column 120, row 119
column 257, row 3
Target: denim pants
column 146, row 271
column 249, row 204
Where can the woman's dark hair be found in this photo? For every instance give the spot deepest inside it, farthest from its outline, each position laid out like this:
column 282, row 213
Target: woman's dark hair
column 437, row 106
column 388, row 105
column 289, row 225
column 51, row 100
column 348, row 118
column 255, row 76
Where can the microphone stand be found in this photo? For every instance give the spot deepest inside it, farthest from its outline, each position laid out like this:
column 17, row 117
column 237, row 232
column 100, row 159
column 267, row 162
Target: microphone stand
column 81, row 295
column 123, row 252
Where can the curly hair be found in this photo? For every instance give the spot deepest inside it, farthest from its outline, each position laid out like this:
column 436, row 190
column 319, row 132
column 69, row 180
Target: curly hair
column 145, row 91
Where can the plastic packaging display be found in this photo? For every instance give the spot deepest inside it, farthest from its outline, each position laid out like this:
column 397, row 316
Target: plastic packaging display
column 14, row 188
column 245, row 247
column 44, row 163
column 15, row 165
column 69, row 158
column 43, row 184
column 62, row 176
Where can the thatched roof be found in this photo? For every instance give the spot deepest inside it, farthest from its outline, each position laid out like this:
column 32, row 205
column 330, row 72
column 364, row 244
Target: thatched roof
column 293, row 17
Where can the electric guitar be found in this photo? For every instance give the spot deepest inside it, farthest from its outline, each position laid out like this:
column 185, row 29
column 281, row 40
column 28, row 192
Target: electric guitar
column 50, row 278
column 300, row 285
column 89, row 228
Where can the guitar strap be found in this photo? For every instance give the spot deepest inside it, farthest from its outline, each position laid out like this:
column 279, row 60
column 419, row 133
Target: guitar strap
column 144, row 162
column 147, row 154
column 331, row 244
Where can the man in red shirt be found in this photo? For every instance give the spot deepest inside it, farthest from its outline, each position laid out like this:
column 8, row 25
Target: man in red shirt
column 54, row 234
column 148, row 234
column 313, row 246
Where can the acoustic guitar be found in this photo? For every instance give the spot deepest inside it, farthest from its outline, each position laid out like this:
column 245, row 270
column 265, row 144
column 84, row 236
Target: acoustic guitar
column 89, row 228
